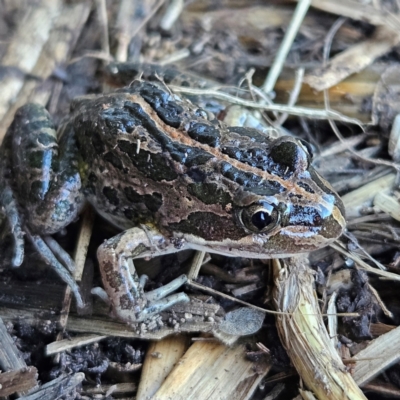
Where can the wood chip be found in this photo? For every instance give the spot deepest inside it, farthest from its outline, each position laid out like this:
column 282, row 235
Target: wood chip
column 210, row 370
column 160, row 359
column 361, row 11
column 68, row 344
column 364, row 196
column 19, row 381
column 352, row 60
column 388, row 204
column 56, row 388
column 10, row 356
column 380, row 354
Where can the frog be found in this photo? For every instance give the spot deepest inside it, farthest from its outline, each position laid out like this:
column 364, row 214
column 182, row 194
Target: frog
column 171, row 176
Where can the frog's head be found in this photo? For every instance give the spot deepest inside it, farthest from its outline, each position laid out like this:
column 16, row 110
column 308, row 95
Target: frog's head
column 305, row 216
column 292, row 209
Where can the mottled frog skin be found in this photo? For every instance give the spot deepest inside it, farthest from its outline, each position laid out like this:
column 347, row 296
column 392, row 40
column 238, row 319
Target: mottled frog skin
column 172, row 177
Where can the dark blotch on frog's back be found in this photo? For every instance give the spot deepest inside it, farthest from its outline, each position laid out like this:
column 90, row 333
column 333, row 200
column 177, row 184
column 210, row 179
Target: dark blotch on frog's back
column 205, row 133
column 119, row 120
column 153, row 165
column 111, row 194
column 209, row 226
column 254, row 156
column 288, row 156
column 114, row 160
column 161, row 101
column 186, row 155
column 198, row 175
column 209, row 193
column 152, row 201
column 251, row 182
column 253, row 148
column 252, row 133
column 97, row 144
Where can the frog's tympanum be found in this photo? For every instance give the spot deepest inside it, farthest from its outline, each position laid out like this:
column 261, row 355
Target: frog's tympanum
column 171, row 176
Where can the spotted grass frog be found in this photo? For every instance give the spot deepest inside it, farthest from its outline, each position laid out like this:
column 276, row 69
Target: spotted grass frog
column 171, row 177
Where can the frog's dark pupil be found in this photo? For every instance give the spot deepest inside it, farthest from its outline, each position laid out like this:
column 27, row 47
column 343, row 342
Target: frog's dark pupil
column 261, row 219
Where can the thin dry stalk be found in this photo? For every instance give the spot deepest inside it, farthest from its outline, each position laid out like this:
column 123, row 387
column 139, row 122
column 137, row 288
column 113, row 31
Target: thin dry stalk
column 82, row 245
column 171, row 15
column 103, row 21
column 299, row 111
column 276, row 68
column 119, row 389
column 71, row 343
column 304, row 335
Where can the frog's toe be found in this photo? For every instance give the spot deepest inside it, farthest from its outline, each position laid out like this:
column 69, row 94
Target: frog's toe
column 60, row 253
column 49, row 257
column 165, row 290
column 155, row 307
column 160, row 299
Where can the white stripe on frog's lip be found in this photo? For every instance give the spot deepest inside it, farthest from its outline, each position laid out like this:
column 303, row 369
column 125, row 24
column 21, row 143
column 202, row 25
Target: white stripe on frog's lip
column 254, row 246
column 240, row 253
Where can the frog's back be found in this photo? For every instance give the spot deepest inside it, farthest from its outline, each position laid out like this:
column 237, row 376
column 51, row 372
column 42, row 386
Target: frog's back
column 150, row 157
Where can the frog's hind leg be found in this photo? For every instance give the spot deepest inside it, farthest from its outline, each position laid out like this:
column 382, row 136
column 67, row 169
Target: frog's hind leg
column 47, row 254
column 41, row 180
column 125, row 289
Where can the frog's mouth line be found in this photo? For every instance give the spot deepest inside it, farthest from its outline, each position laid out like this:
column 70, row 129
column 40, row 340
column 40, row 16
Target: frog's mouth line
column 286, row 243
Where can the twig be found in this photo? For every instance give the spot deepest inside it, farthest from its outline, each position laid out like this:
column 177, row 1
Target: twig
column 297, row 19
column 103, row 21
column 294, row 95
column 148, row 17
column 327, row 46
column 304, row 335
column 171, row 14
column 299, row 111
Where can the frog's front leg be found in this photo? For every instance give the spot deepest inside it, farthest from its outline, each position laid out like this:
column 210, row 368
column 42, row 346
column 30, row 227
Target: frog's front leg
column 124, row 287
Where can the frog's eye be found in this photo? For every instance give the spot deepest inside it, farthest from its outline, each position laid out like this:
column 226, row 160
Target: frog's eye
column 260, row 217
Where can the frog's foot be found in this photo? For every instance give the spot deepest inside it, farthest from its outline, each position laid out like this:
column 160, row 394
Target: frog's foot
column 48, row 252
column 47, row 247
column 125, row 289
column 9, row 205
